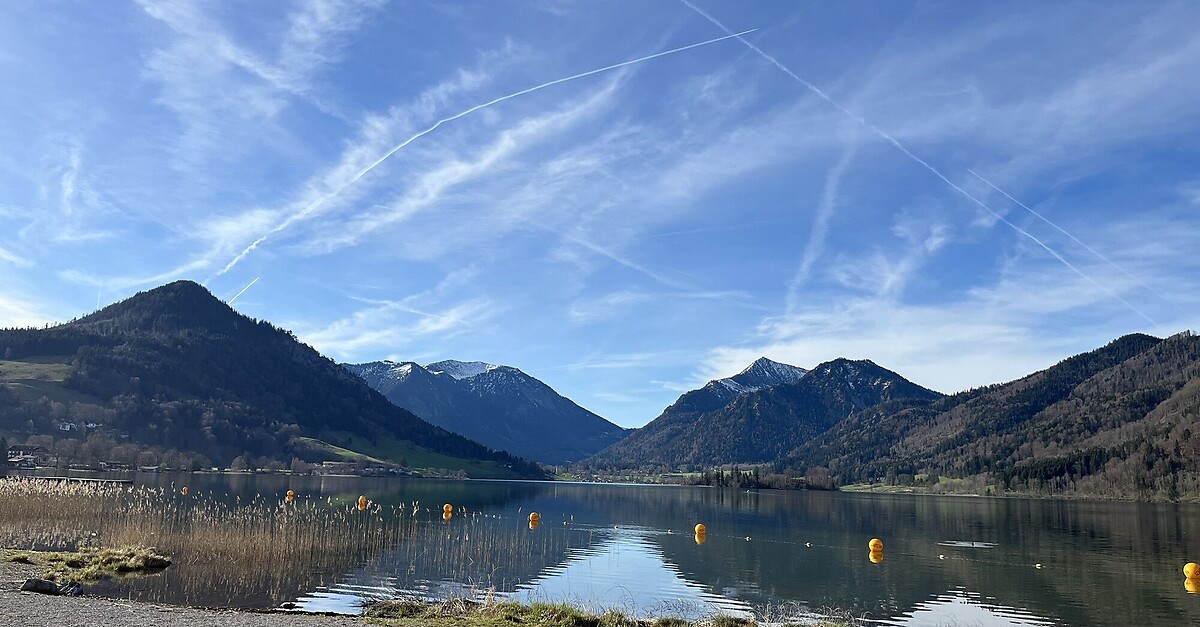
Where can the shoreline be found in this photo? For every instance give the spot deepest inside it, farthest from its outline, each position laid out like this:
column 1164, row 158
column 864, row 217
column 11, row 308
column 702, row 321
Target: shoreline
column 128, row 477
column 28, row 609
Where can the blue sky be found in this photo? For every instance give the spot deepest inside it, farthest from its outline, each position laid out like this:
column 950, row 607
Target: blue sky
column 629, row 234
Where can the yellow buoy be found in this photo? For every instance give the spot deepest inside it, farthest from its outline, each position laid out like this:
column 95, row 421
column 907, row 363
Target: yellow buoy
column 1191, row 585
column 533, row 523
column 291, row 496
column 447, row 515
column 701, row 538
column 447, row 508
column 183, row 490
column 1191, row 570
column 875, row 545
column 535, row 517
column 701, row 529
column 876, row 557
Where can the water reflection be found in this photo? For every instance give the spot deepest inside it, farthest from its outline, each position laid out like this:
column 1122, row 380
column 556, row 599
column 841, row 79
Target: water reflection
column 963, row 607
column 626, row 569
column 1103, row 563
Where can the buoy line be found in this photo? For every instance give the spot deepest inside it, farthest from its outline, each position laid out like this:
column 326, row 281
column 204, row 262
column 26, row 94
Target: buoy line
column 702, row 535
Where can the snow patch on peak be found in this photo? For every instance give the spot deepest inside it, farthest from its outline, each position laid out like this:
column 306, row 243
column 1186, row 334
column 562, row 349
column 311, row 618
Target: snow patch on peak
column 460, row 369
column 735, row 387
column 763, row 373
column 772, row 371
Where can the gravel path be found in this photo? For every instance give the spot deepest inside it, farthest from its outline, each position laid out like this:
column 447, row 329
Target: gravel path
column 24, row 609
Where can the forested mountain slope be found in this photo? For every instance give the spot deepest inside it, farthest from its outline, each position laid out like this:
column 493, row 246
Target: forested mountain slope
column 1117, row 421
column 174, row 368
column 767, row 423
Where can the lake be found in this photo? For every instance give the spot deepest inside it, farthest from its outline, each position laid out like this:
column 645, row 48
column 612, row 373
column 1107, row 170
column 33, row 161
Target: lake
column 946, row 560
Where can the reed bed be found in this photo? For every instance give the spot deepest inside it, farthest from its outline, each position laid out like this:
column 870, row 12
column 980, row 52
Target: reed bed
column 260, row 551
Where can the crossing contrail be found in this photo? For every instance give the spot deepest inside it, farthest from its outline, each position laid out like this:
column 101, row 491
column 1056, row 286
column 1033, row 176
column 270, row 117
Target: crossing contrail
column 248, row 286
column 306, row 211
column 1064, row 232
column 902, row 148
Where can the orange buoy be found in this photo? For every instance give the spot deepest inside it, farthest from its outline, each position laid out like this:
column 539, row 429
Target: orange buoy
column 876, row 545
column 876, row 557
column 533, row 524
column 1191, row 570
column 535, row 517
column 447, row 515
column 291, row 496
column 183, row 490
column 447, row 508
column 362, row 503
column 701, row 529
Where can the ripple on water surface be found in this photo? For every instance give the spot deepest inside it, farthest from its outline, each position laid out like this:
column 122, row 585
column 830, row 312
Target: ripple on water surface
column 622, row 568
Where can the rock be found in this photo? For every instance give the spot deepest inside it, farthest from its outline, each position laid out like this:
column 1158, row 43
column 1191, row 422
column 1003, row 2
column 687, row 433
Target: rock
column 40, row 586
column 71, row 588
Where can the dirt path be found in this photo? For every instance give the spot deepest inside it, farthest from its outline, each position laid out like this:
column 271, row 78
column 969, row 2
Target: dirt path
column 24, row 609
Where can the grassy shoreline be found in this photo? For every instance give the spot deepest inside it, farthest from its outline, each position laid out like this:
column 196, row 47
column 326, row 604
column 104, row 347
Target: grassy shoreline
column 464, row 613
column 90, row 564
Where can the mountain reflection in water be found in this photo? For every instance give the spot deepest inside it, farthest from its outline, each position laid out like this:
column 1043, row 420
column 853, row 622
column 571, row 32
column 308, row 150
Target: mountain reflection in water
column 947, row 559
column 612, row 568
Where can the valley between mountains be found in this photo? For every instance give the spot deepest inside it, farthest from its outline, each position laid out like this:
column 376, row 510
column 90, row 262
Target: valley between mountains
column 173, row 377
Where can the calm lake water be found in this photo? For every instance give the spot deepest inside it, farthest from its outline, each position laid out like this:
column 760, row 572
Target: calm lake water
column 947, row 560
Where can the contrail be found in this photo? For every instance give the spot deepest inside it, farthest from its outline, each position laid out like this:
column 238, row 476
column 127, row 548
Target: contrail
column 1064, row 232
column 816, row 239
column 899, row 146
column 292, row 219
column 248, row 286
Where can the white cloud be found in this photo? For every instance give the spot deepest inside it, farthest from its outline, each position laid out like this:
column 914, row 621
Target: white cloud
column 13, row 258
column 121, row 283
column 392, row 326
column 16, row 312
column 222, row 92
column 1034, row 313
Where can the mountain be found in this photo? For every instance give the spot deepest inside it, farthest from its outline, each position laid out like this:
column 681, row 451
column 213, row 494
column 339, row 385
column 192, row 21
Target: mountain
column 1119, row 421
column 499, row 406
column 175, row 370
column 759, row 414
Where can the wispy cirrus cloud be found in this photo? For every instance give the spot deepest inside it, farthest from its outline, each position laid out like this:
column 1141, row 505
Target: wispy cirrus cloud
column 120, row 283
column 391, row 326
column 17, row 312
column 1034, row 314
column 14, row 259
column 455, row 172
column 221, row 91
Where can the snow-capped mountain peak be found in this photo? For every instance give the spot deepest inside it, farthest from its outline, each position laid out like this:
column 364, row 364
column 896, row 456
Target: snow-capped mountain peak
column 499, row 406
column 761, row 374
column 401, row 369
column 460, row 369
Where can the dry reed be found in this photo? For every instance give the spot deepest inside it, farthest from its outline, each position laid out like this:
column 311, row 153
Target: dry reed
column 264, row 550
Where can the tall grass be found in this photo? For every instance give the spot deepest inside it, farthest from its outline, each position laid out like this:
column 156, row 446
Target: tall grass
column 261, row 551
